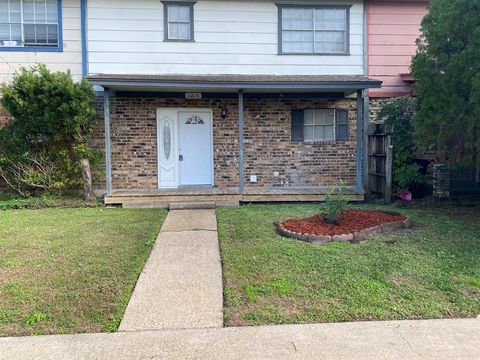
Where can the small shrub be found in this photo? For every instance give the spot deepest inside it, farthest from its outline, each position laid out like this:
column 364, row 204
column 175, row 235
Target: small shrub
column 335, row 203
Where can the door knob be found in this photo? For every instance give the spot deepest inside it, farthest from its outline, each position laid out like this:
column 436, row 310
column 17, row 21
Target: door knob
column 180, row 157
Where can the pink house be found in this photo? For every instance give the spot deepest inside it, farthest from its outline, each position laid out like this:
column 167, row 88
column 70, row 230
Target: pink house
column 392, row 28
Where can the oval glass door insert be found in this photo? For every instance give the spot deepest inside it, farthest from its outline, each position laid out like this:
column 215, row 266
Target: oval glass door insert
column 167, row 140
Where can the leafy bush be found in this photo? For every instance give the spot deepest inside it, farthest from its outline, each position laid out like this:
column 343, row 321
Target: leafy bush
column 50, row 128
column 398, row 114
column 335, row 202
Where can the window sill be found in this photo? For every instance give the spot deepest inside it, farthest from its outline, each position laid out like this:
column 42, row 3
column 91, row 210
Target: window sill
column 321, row 142
column 315, row 54
column 30, row 49
column 179, row 40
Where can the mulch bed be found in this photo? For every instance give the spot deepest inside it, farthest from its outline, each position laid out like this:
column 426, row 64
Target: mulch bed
column 351, row 221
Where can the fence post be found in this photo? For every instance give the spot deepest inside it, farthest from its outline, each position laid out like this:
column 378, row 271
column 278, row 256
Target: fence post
column 388, row 169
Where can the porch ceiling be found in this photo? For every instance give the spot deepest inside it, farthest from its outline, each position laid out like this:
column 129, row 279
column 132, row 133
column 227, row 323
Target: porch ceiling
column 346, row 84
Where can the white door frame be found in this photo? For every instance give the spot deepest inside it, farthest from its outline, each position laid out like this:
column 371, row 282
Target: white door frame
column 174, row 113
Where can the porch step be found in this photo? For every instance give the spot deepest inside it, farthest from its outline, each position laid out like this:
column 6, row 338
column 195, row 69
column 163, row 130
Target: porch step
column 193, row 205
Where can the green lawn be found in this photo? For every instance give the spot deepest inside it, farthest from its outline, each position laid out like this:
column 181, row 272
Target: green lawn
column 430, row 271
column 71, row 270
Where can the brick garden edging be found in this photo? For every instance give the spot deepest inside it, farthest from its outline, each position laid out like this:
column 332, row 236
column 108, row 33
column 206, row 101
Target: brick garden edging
column 351, row 237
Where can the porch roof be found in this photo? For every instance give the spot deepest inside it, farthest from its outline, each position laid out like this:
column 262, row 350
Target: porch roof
column 346, row 84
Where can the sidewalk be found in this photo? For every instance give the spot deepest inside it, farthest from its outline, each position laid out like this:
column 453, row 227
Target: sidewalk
column 180, row 286
column 427, row 339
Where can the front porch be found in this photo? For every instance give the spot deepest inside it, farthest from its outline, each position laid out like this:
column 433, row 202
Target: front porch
column 232, row 139
column 222, row 196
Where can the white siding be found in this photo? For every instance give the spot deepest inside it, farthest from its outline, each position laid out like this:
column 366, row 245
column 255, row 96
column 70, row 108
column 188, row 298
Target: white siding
column 69, row 59
column 231, row 37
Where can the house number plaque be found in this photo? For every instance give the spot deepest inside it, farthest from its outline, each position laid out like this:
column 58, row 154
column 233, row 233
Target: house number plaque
column 193, row 96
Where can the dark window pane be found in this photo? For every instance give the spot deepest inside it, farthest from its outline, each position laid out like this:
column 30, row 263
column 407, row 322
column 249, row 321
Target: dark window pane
column 52, row 35
column 41, row 34
column 4, row 32
column 29, row 33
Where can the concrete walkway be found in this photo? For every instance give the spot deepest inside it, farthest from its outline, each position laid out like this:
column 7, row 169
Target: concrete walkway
column 435, row 339
column 180, row 286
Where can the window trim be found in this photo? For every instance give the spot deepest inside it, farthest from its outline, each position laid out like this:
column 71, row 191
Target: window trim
column 58, row 48
column 166, row 4
column 309, row 6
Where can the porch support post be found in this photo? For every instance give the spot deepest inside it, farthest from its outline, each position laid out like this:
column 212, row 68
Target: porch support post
column 240, row 141
column 366, row 123
column 359, row 144
column 108, row 152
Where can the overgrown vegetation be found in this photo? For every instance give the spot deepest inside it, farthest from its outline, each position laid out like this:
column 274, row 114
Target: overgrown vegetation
column 397, row 114
column 447, row 70
column 45, row 145
column 13, row 201
column 430, row 271
column 57, row 278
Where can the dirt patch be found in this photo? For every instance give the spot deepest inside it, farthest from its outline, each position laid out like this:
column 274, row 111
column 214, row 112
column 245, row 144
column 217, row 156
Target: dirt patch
column 350, row 221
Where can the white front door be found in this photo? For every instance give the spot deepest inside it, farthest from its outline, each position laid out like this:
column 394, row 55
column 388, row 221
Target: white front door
column 195, row 147
column 185, row 147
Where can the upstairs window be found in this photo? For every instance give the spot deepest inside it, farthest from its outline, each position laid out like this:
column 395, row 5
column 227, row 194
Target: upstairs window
column 320, row 125
column 313, row 30
column 178, row 21
column 29, row 23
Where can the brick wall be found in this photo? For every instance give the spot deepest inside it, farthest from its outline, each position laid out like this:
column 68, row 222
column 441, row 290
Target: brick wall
column 375, row 105
column 268, row 148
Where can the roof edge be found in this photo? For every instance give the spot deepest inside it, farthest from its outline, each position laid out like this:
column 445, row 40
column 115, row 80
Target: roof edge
column 237, row 82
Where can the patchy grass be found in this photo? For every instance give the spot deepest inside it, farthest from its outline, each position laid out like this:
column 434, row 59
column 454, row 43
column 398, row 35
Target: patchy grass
column 431, row 271
column 71, row 270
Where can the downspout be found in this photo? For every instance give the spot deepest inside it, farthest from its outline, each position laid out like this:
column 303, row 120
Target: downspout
column 83, row 27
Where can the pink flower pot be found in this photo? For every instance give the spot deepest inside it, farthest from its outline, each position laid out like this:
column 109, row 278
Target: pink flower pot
column 406, row 195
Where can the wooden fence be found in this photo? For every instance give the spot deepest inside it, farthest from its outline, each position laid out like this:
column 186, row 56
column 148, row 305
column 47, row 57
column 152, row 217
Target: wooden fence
column 380, row 157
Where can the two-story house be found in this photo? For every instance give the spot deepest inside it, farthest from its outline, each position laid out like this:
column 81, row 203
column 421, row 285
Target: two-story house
column 224, row 100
